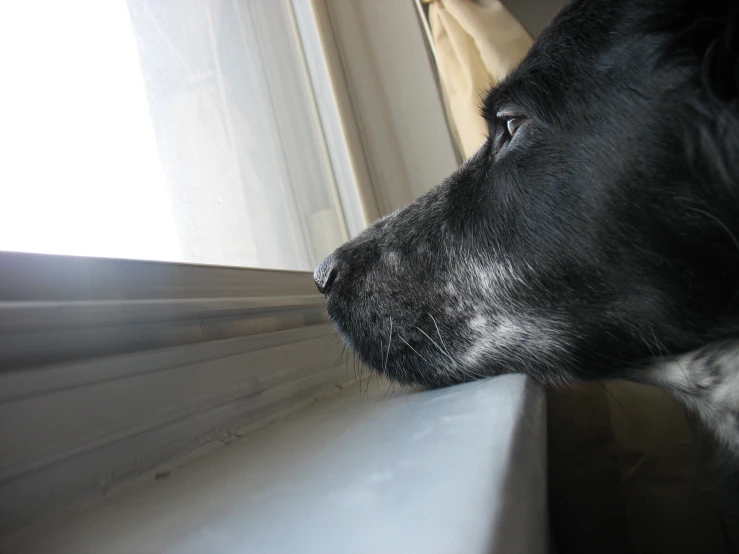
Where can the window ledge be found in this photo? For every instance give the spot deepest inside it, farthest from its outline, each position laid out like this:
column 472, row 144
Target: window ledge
column 461, row 469
column 109, row 368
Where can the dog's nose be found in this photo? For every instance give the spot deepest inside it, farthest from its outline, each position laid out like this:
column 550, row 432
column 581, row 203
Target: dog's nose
column 325, row 274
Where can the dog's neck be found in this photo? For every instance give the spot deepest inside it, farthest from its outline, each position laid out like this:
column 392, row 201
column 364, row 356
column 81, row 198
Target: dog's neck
column 707, row 381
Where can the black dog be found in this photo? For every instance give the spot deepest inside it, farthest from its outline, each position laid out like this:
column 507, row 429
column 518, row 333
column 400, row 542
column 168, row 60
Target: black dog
column 592, row 236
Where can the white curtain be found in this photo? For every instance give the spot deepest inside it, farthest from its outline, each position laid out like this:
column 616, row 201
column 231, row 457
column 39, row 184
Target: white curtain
column 240, row 147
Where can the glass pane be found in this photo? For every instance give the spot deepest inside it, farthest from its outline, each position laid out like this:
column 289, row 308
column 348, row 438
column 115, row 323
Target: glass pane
column 183, row 130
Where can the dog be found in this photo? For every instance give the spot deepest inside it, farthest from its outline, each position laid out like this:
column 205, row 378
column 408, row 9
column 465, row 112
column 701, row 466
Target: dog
column 594, row 233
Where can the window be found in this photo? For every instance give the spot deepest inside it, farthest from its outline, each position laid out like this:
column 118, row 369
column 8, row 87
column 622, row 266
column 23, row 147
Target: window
column 251, row 133
column 171, row 131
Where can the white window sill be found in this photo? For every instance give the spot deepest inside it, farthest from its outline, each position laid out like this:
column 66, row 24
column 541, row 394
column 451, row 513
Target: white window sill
column 461, row 469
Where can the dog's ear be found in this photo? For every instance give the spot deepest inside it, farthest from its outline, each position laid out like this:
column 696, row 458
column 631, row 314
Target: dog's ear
column 720, row 65
column 707, row 31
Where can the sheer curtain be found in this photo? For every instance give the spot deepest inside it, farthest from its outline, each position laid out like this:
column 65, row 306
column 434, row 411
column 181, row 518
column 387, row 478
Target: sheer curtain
column 179, row 131
column 238, row 196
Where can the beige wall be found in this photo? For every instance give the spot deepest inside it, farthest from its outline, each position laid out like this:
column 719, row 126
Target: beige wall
column 534, row 15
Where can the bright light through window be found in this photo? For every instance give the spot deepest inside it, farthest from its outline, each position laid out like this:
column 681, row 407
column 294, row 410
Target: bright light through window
column 81, row 171
column 177, row 131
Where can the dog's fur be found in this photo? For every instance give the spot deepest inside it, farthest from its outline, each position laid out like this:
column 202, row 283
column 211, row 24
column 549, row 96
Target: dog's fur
column 599, row 241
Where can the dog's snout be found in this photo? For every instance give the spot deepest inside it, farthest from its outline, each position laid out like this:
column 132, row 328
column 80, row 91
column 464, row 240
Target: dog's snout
column 326, row 273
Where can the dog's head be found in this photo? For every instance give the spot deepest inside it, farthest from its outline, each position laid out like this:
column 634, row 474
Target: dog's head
column 593, row 229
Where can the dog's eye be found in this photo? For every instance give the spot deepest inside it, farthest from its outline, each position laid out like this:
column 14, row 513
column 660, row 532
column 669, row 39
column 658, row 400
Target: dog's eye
column 512, row 124
column 506, row 126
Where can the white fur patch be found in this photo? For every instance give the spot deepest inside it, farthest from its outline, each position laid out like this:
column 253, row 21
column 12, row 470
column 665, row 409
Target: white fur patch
column 514, row 339
column 479, row 324
column 496, row 338
column 495, row 279
column 391, row 259
column 707, row 380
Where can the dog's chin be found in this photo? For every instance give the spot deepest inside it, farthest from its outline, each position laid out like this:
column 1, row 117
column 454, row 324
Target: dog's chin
column 411, row 359
column 387, row 357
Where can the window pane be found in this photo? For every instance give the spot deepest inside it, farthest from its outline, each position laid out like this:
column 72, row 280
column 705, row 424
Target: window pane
column 183, row 130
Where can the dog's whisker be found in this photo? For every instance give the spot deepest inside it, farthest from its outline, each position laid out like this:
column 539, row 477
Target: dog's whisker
column 389, row 342
column 436, row 345
column 358, row 373
column 416, row 351
column 369, row 380
column 438, row 332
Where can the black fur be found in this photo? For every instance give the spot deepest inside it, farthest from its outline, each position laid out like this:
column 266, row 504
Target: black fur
column 602, row 235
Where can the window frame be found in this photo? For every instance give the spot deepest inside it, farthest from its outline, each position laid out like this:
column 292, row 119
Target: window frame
column 73, row 327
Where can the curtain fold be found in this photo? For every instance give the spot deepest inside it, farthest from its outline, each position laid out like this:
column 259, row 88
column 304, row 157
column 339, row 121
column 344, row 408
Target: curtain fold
column 475, row 47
